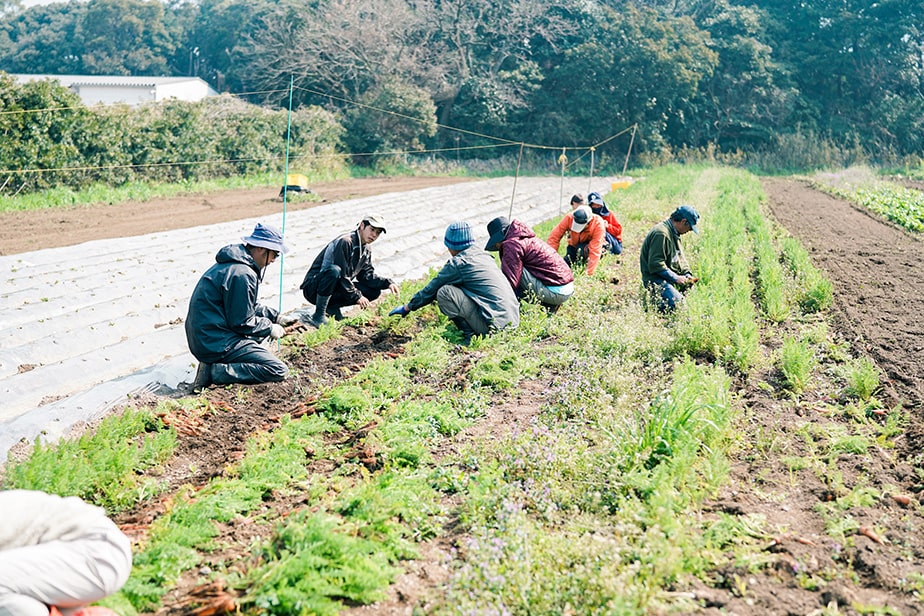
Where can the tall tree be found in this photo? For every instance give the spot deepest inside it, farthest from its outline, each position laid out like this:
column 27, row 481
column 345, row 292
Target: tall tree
column 125, row 37
column 338, row 52
column 215, row 36
column 43, row 39
column 747, row 99
column 638, row 66
column 847, row 58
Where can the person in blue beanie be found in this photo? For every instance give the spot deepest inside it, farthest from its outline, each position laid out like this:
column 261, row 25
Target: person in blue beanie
column 225, row 325
column 469, row 289
column 665, row 272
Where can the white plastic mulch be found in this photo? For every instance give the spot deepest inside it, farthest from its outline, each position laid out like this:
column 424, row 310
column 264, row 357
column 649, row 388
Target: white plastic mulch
column 84, row 327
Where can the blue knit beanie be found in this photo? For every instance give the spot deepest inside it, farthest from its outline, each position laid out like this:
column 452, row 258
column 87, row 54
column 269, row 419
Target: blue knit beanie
column 458, row 236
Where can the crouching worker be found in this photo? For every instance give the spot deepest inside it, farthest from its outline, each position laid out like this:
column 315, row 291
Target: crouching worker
column 225, row 325
column 342, row 274
column 469, row 289
column 535, row 270
column 586, row 236
column 665, row 273
column 613, row 228
column 58, row 554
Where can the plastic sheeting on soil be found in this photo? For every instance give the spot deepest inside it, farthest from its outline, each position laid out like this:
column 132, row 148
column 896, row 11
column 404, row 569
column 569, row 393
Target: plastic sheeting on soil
column 84, row 327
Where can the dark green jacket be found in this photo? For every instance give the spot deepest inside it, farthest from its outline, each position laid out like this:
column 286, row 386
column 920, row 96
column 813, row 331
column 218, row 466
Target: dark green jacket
column 661, row 251
column 223, row 309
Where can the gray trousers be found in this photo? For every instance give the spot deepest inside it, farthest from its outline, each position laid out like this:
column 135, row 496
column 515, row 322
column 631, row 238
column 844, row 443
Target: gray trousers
column 67, row 574
column 532, row 286
column 248, row 362
column 455, row 304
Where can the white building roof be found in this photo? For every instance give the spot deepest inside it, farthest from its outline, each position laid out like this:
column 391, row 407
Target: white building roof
column 94, row 89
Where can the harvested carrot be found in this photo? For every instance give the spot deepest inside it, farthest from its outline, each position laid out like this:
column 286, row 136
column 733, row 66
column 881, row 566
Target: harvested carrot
column 902, row 499
column 871, row 534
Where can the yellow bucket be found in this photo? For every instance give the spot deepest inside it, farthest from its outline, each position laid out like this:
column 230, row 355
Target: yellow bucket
column 296, row 179
column 621, row 184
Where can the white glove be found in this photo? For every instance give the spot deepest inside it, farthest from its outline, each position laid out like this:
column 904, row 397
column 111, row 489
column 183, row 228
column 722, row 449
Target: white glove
column 277, row 331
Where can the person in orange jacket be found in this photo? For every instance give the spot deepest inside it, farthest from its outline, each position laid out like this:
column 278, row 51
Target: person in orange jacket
column 586, row 236
column 613, row 228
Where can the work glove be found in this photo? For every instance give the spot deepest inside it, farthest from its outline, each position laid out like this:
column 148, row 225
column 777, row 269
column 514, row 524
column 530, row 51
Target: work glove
column 277, row 331
column 401, row 311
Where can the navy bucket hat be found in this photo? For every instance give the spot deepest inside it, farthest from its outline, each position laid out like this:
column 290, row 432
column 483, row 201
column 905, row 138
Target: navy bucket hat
column 266, row 236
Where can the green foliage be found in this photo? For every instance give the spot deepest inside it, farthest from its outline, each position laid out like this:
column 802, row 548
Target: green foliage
column 903, row 206
column 312, row 564
column 813, row 292
column 273, row 462
column 797, row 361
column 54, row 142
column 407, row 119
column 768, row 84
column 862, row 376
column 105, row 466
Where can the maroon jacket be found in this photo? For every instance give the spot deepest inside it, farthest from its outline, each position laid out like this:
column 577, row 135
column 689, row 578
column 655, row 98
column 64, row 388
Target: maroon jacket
column 521, row 248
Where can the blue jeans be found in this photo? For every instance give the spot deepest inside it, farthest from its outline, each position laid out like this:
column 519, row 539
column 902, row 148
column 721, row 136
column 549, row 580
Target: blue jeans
column 613, row 245
column 665, row 295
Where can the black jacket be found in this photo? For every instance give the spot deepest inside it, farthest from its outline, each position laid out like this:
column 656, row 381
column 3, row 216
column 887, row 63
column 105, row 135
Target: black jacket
column 223, row 308
column 355, row 263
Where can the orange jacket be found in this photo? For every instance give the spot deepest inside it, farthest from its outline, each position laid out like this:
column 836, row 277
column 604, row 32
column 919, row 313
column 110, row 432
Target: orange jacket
column 593, row 235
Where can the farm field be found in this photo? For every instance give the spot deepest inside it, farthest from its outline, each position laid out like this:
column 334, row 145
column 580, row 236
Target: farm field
column 518, row 476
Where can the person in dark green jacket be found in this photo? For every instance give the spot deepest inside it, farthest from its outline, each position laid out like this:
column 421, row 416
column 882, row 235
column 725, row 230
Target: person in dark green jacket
column 470, row 289
column 225, row 325
column 665, row 272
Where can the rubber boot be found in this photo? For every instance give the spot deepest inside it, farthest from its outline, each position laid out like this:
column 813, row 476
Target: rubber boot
column 319, row 317
column 203, row 377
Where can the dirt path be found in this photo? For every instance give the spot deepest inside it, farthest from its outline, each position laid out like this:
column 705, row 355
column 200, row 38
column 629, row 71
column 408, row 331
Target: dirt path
column 26, row 231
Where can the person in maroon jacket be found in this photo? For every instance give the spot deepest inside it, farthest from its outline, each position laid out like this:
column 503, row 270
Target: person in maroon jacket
column 534, row 269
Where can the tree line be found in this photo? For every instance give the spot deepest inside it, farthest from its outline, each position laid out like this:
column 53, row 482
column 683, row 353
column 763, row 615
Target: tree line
column 51, row 140
column 690, row 74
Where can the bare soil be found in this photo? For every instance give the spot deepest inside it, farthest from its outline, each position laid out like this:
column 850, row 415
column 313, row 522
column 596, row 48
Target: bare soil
column 879, row 303
column 34, row 230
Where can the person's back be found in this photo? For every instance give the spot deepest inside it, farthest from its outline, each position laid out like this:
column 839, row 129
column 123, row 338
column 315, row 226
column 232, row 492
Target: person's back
column 469, row 289
column 57, row 551
column 521, row 249
column 476, row 273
